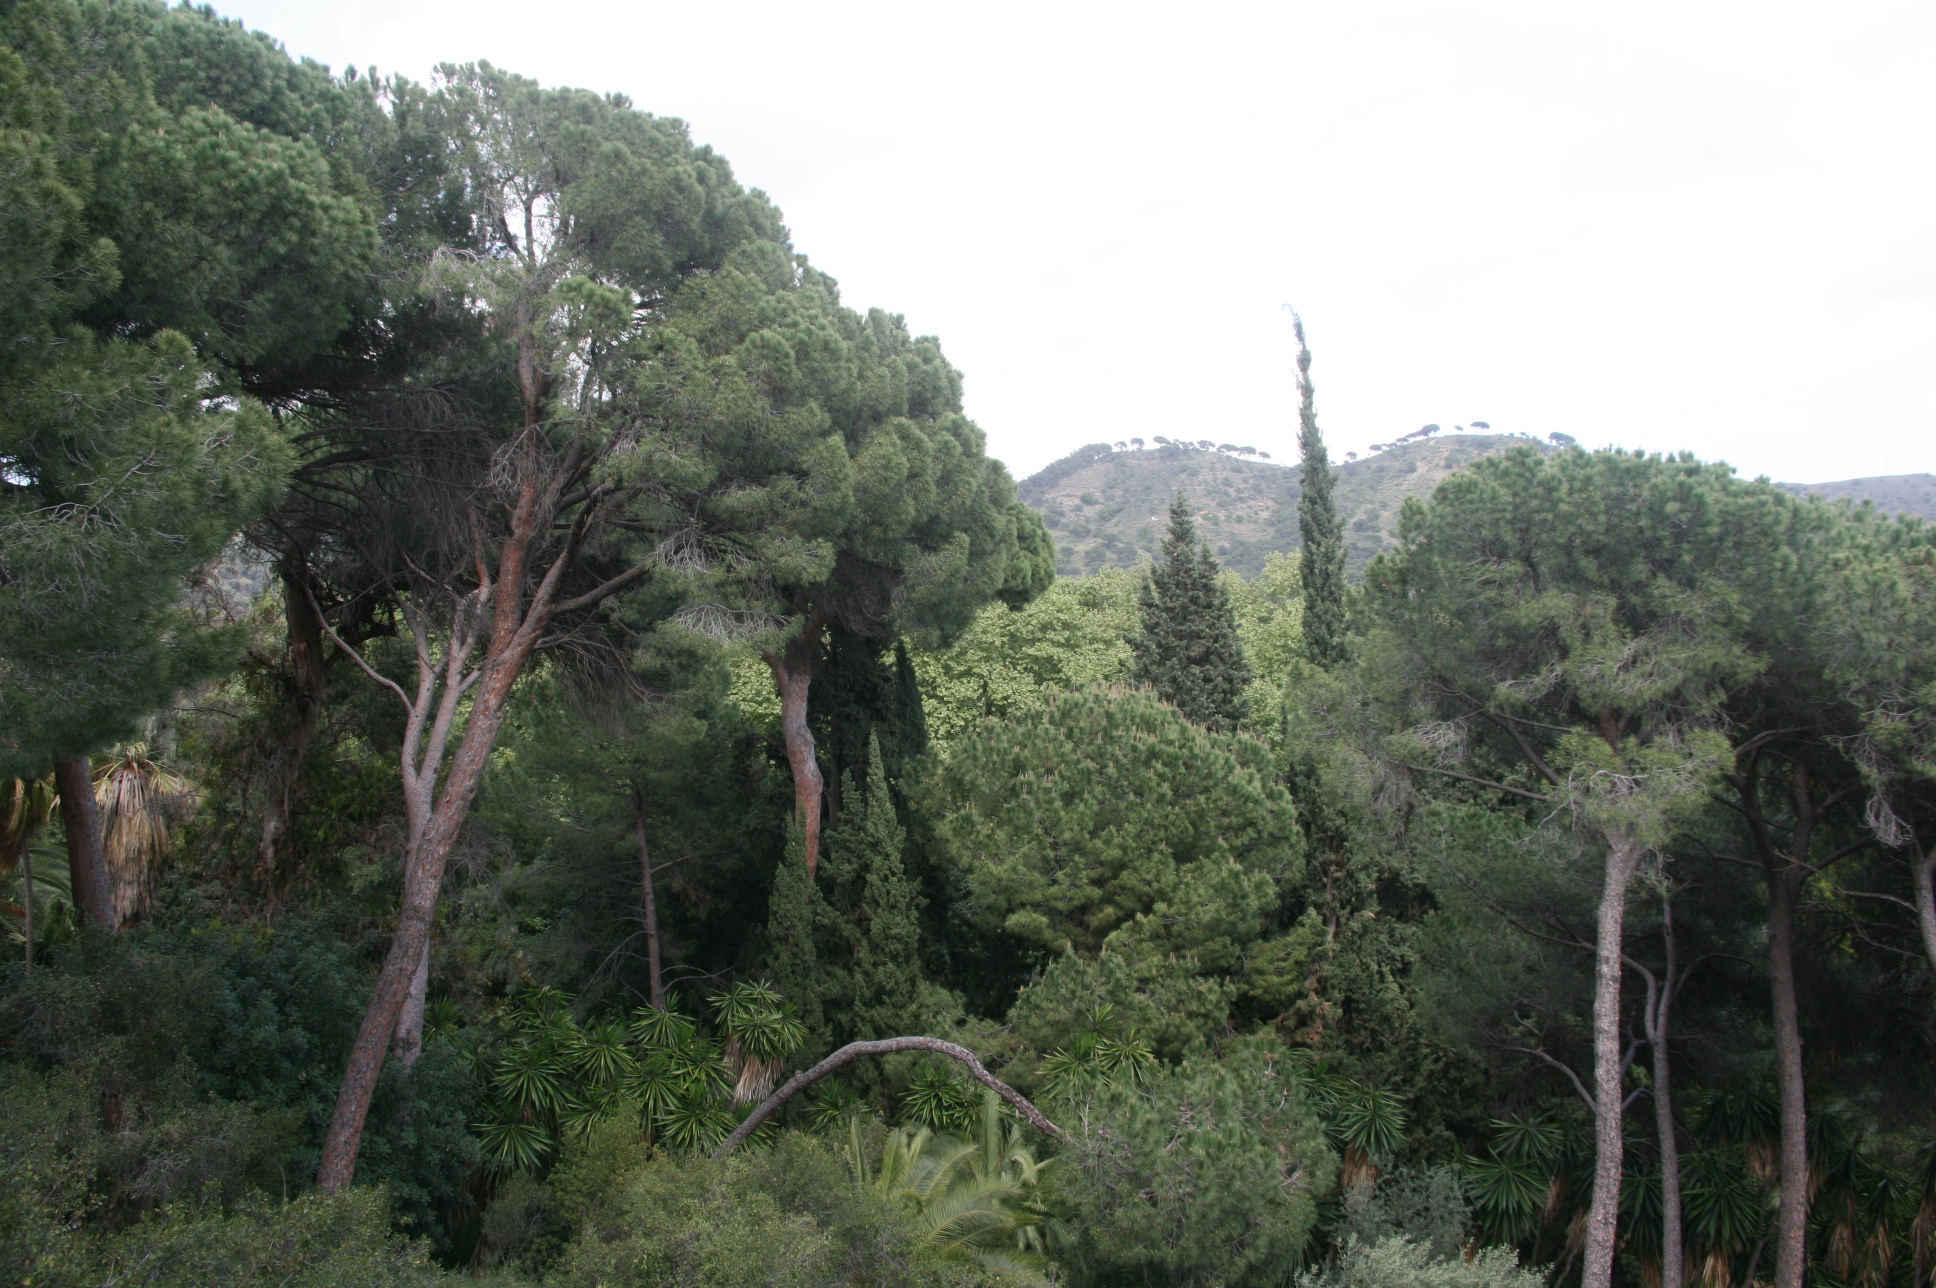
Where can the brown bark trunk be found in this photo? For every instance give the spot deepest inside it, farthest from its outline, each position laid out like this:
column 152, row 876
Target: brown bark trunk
column 1603, row 1216
column 406, row 1044
column 792, row 670
column 74, row 778
column 1791, row 1219
column 649, row 909
column 306, row 682
column 423, row 878
column 27, row 899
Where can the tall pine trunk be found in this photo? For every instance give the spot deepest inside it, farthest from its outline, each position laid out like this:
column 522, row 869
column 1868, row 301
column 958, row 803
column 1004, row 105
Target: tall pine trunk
column 1603, row 1216
column 406, row 1043
column 1659, row 1027
column 81, row 818
column 792, row 668
column 1923, row 871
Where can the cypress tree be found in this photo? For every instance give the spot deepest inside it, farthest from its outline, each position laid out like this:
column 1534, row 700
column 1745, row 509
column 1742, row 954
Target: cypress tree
column 887, row 947
column 1188, row 650
column 794, row 911
column 1321, row 566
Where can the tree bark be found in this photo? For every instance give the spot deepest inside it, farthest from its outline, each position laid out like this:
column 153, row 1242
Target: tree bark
column 649, row 909
column 1923, row 870
column 81, row 817
column 1672, row 1275
column 1791, row 1219
column 1603, row 1216
column 792, row 670
column 885, row 1046
column 406, row 1044
column 306, row 683
column 27, row 898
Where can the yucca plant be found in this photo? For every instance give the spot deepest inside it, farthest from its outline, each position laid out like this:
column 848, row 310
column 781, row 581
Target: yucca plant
column 140, row 802
column 1529, row 1189
column 1103, row 1052
column 939, row 1099
column 1368, row 1124
column 761, row 1032
column 37, row 896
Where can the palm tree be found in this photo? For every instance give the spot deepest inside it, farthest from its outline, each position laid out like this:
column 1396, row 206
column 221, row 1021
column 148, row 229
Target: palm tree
column 971, row 1198
column 140, row 800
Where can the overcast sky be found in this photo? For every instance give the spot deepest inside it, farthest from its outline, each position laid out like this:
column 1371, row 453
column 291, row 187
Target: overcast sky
column 1675, row 226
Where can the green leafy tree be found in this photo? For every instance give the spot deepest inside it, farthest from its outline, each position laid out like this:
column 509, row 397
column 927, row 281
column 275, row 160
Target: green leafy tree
column 1188, row 649
column 1106, row 819
column 1321, row 552
column 1581, row 622
column 886, row 975
column 826, row 474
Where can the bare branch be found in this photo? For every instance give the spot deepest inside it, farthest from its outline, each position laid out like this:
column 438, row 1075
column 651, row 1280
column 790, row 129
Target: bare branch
column 1483, row 782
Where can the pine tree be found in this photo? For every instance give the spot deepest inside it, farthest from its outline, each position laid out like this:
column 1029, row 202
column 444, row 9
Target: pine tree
column 1322, row 563
column 794, row 912
column 887, row 949
column 1188, row 650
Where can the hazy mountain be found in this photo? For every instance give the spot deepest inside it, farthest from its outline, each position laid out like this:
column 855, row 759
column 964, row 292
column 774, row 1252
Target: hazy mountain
column 1892, row 493
column 1105, row 508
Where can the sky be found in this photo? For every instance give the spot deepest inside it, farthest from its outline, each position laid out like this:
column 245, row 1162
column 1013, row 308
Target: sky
column 1679, row 226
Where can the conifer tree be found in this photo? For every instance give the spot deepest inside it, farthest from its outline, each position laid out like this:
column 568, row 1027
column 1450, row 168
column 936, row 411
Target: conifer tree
column 794, row 911
column 1322, row 564
column 1188, row 649
column 887, row 947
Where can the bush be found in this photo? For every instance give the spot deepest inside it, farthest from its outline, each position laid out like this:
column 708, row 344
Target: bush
column 1401, row 1262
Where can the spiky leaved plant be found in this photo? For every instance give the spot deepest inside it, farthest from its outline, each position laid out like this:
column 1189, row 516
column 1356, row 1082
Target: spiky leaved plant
column 140, row 801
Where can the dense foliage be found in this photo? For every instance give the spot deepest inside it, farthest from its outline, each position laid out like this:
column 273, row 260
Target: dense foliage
column 504, row 677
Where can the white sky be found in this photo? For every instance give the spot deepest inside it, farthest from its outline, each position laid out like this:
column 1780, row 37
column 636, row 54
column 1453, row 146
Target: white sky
column 1670, row 225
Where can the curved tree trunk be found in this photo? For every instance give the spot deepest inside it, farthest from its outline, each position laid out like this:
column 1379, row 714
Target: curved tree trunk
column 1603, row 1216
column 885, row 1046
column 81, row 817
column 792, row 670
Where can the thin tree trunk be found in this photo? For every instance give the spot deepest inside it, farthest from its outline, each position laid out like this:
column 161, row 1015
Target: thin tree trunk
column 74, row 778
column 407, row 1042
column 1603, row 1216
column 650, row 909
column 1924, row 871
column 1791, row 1219
column 792, row 670
column 1671, row 1273
column 306, row 679
column 27, row 898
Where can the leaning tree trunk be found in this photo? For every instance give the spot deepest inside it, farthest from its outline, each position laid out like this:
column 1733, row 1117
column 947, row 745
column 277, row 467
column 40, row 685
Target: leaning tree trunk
column 1603, row 1216
column 406, row 1043
column 81, row 817
column 792, row 668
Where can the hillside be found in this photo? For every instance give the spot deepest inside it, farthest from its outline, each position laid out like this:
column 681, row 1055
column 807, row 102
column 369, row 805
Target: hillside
column 1105, row 508
column 1892, row 493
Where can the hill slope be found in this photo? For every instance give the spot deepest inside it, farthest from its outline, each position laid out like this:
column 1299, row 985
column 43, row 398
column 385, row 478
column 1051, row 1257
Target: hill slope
column 1892, row 493
column 1106, row 508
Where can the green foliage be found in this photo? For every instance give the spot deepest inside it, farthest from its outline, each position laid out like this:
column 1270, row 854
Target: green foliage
column 790, row 1216
column 1402, row 1262
column 1321, row 532
column 1075, row 636
column 1270, row 626
column 1187, row 649
column 796, row 911
column 1205, row 1174
column 1105, row 818
column 886, row 975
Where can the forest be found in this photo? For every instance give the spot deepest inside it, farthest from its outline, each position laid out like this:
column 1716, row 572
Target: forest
column 539, row 747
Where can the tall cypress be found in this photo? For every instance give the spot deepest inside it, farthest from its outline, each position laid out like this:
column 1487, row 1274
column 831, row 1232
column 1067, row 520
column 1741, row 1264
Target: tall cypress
column 1188, row 649
column 887, row 947
column 795, row 910
column 1321, row 565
